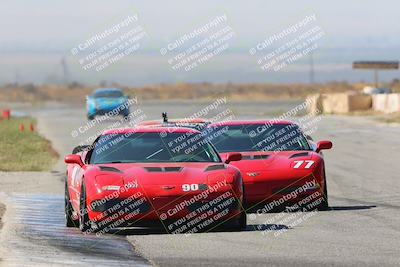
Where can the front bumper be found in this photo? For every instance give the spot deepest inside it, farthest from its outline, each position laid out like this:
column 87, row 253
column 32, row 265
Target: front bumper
column 103, row 109
column 275, row 186
column 175, row 213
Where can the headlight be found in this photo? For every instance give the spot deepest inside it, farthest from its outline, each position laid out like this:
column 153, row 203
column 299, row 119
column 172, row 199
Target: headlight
column 110, row 188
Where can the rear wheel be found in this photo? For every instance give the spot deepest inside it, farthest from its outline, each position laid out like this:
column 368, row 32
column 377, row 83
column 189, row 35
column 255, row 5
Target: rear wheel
column 69, row 221
column 90, row 117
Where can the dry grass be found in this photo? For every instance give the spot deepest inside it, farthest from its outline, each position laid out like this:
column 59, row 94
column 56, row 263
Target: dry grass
column 389, row 118
column 378, row 116
column 199, row 91
column 76, row 93
column 368, row 112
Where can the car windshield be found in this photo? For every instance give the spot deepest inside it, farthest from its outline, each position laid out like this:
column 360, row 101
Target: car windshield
column 107, row 94
column 153, row 147
column 257, row 137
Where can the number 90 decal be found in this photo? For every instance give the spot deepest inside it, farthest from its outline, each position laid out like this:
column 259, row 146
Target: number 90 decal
column 303, row 164
column 190, row 187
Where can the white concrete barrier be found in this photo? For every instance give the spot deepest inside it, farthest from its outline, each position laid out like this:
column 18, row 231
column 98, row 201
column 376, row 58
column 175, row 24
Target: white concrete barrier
column 393, row 103
column 387, row 103
column 379, row 102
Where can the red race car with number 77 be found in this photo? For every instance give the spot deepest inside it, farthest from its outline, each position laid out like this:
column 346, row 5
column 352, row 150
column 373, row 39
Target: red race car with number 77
column 280, row 166
column 142, row 175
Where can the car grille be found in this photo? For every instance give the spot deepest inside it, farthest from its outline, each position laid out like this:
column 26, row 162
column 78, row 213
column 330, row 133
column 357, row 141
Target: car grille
column 118, row 206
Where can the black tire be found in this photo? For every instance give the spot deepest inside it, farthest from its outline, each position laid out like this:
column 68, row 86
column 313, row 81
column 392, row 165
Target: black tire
column 90, row 117
column 325, row 203
column 238, row 223
column 243, row 220
column 69, row 221
column 243, row 214
column 84, row 222
column 126, row 117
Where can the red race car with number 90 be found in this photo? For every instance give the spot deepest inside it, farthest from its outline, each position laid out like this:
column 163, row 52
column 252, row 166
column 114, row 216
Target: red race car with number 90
column 138, row 176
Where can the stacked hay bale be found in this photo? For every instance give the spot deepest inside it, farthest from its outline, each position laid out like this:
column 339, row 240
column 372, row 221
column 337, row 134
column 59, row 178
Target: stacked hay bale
column 314, row 104
column 358, row 102
column 340, row 103
column 335, row 103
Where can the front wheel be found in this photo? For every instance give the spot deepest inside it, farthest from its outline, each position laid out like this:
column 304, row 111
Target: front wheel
column 84, row 222
column 69, row 221
column 242, row 221
column 238, row 223
column 324, row 204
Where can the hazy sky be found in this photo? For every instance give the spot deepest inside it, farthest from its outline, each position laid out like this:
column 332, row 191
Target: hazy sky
column 36, row 34
column 59, row 25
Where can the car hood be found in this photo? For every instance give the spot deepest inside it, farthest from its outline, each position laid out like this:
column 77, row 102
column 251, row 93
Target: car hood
column 109, row 100
column 162, row 173
column 259, row 161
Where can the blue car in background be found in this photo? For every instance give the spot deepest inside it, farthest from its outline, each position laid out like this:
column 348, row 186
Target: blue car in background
column 107, row 101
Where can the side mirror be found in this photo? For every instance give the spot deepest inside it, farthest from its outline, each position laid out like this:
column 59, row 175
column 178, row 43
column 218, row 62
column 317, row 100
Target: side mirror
column 73, row 159
column 233, row 157
column 323, row 145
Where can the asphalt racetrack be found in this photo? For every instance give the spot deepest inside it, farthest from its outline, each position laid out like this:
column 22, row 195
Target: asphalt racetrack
column 362, row 227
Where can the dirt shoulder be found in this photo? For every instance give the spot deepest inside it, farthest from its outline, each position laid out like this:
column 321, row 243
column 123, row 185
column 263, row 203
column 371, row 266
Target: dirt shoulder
column 2, row 210
column 32, row 182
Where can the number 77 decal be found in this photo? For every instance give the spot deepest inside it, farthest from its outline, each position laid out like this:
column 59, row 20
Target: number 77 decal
column 299, row 163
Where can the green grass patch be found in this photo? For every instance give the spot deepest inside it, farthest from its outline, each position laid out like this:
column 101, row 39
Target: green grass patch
column 24, row 151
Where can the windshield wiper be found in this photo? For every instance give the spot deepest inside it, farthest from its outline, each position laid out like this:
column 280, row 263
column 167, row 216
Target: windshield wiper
column 155, row 153
column 116, row 161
